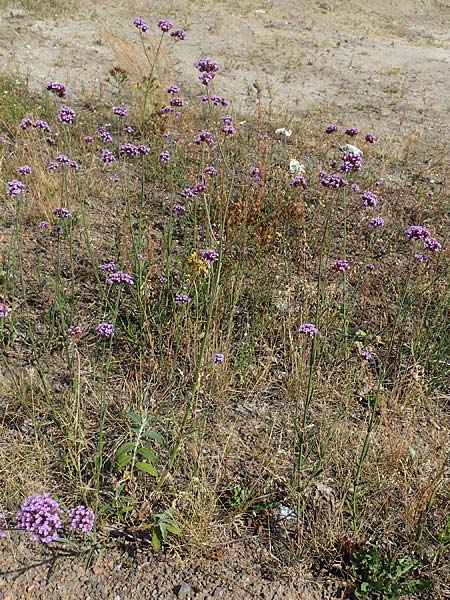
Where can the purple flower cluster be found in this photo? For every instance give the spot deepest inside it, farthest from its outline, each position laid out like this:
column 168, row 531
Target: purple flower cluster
column 105, row 330
column 209, row 255
column 62, row 213
column 128, row 149
column 5, row 311
column 308, row 329
column 59, row 89
column 73, row 331
column 175, row 101
column 211, row 171
column 109, row 267
column 164, row 156
column 66, row 115
column 178, row 208
column 120, row 111
column 104, row 135
column 179, row 34
column 15, row 187
column 82, row 518
column 218, row 358
column 88, row 139
column 298, row 181
column 350, row 162
column 165, row 25
column 204, row 136
column 355, row 188
column 119, row 277
column 370, row 200
column 331, row 128
column 365, row 355
column 417, row 232
column 38, row 124
column 376, row 222
column 352, row 131
column 341, row 266
column 50, row 140
column 173, row 89
column 24, row 170
column 332, row 181
column 216, row 100
column 197, row 188
column 371, row 138
column 182, row 299
column 432, row 244
column 41, row 516
column 108, row 156
column 207, row 68
column 63, row 159
column 140, row 24
column 52, row 166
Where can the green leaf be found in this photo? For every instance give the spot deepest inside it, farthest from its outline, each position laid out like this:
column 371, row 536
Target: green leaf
column 123, row 460
column 147, row 454
column 156, row 541
column 124, row 448
column 173, row 528
column 147, row 468
column 153, row 435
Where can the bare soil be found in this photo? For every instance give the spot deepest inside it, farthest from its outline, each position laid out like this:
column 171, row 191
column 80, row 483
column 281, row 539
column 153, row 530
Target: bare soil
column 380, row 65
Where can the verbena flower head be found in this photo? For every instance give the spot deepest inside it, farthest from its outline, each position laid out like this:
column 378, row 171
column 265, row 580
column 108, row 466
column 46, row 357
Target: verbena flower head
column 105, row 330
column 209, row 255
column 73, row 331
column 24, row 170
column 350, row 162
column 370, row 267
column 182, row 299
column 228, row 129
column 355, row 188
column 179, row 34
column 108, row 156
column 15, row 187
column 432, row 244
column 352, row 131
column 218, row 358
column 164, row 156
column 52, row 166
column 40, row 124
column 430, row 193
column 165, row 25
column 43, row 225
column 376, row 222
column 178, row 208
column 130, row 130
column 128, row 150
column 140, row 24
column 119, row 277
column 421, row 257
column 211, row 171
column 62, row 213
column 50, row 140
column 204, row 136
column 143, row 149
column 5, row 311
column 82, row 518
column 417, row 232
column 208, row 69
column 299, row 181
column 59, row 89
column 25, row 123
column 104, row 135
column 365, row 355
column 371, row 138
column 369, row 199
column 341, row 266
column 331, row 128
column 109, row 267
column 173, row 89
column 40, row 515
column 120, row 111
column 308, row 329
column 217, row 100
column 63, row 159
column 88, row 139
column 332, row 181
column 66, row 115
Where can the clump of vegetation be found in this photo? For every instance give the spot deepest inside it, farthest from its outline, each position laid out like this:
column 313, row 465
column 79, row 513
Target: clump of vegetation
column 189, row 301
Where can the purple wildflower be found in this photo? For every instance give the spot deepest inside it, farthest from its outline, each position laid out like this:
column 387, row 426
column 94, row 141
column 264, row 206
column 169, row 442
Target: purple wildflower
column 163, row 279
column 40, row 124
column 43, row 225
column 331, row 128
column 128, row 150
column 119, row 277
column 143, row 149
column 371, row 138
column 59, row 89
column 50, row 140
column 109, row 267
column 421, row 257
column 218, row 100
column 5, row 311
column 52, row 166
column 178, row 208
column 164, row 156
column 41, row 516
column 355, row 187
column 365, row 355
column 128, row 129
column 15, row 187
column 204, row 136
column 211, row 171
column 88, row 139
column 369, row 199
column 82, row 518
column 208, row 69
column 66, row 115
column 173, row 89
column 104, row 135
column 370, row 267
column 105, row 330
column 430, row 193
column 73, row 331
column 62, row 213
column 175, row 101
column 376, row 222
column 298, row 181
column 140, row 24
column 120, row 111
column 24, row 170
column 56, row 230
column 165, row 25
column 351, row 161
column 114, row 179
column 218, row 358
column 63, row 159
column 182, row 299
column 308, row 329
column 25, row 123
column 352, row 131
column 341, row 266
column 180, row 34
column 209, row 255
column 74, row 165
column 2, row 139
column 228, row 129
column 417, row 232
column 332, row 181
column 432, row 244
column 108, row 156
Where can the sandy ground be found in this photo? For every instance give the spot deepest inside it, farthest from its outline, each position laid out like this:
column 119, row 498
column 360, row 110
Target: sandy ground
column 379, row 64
